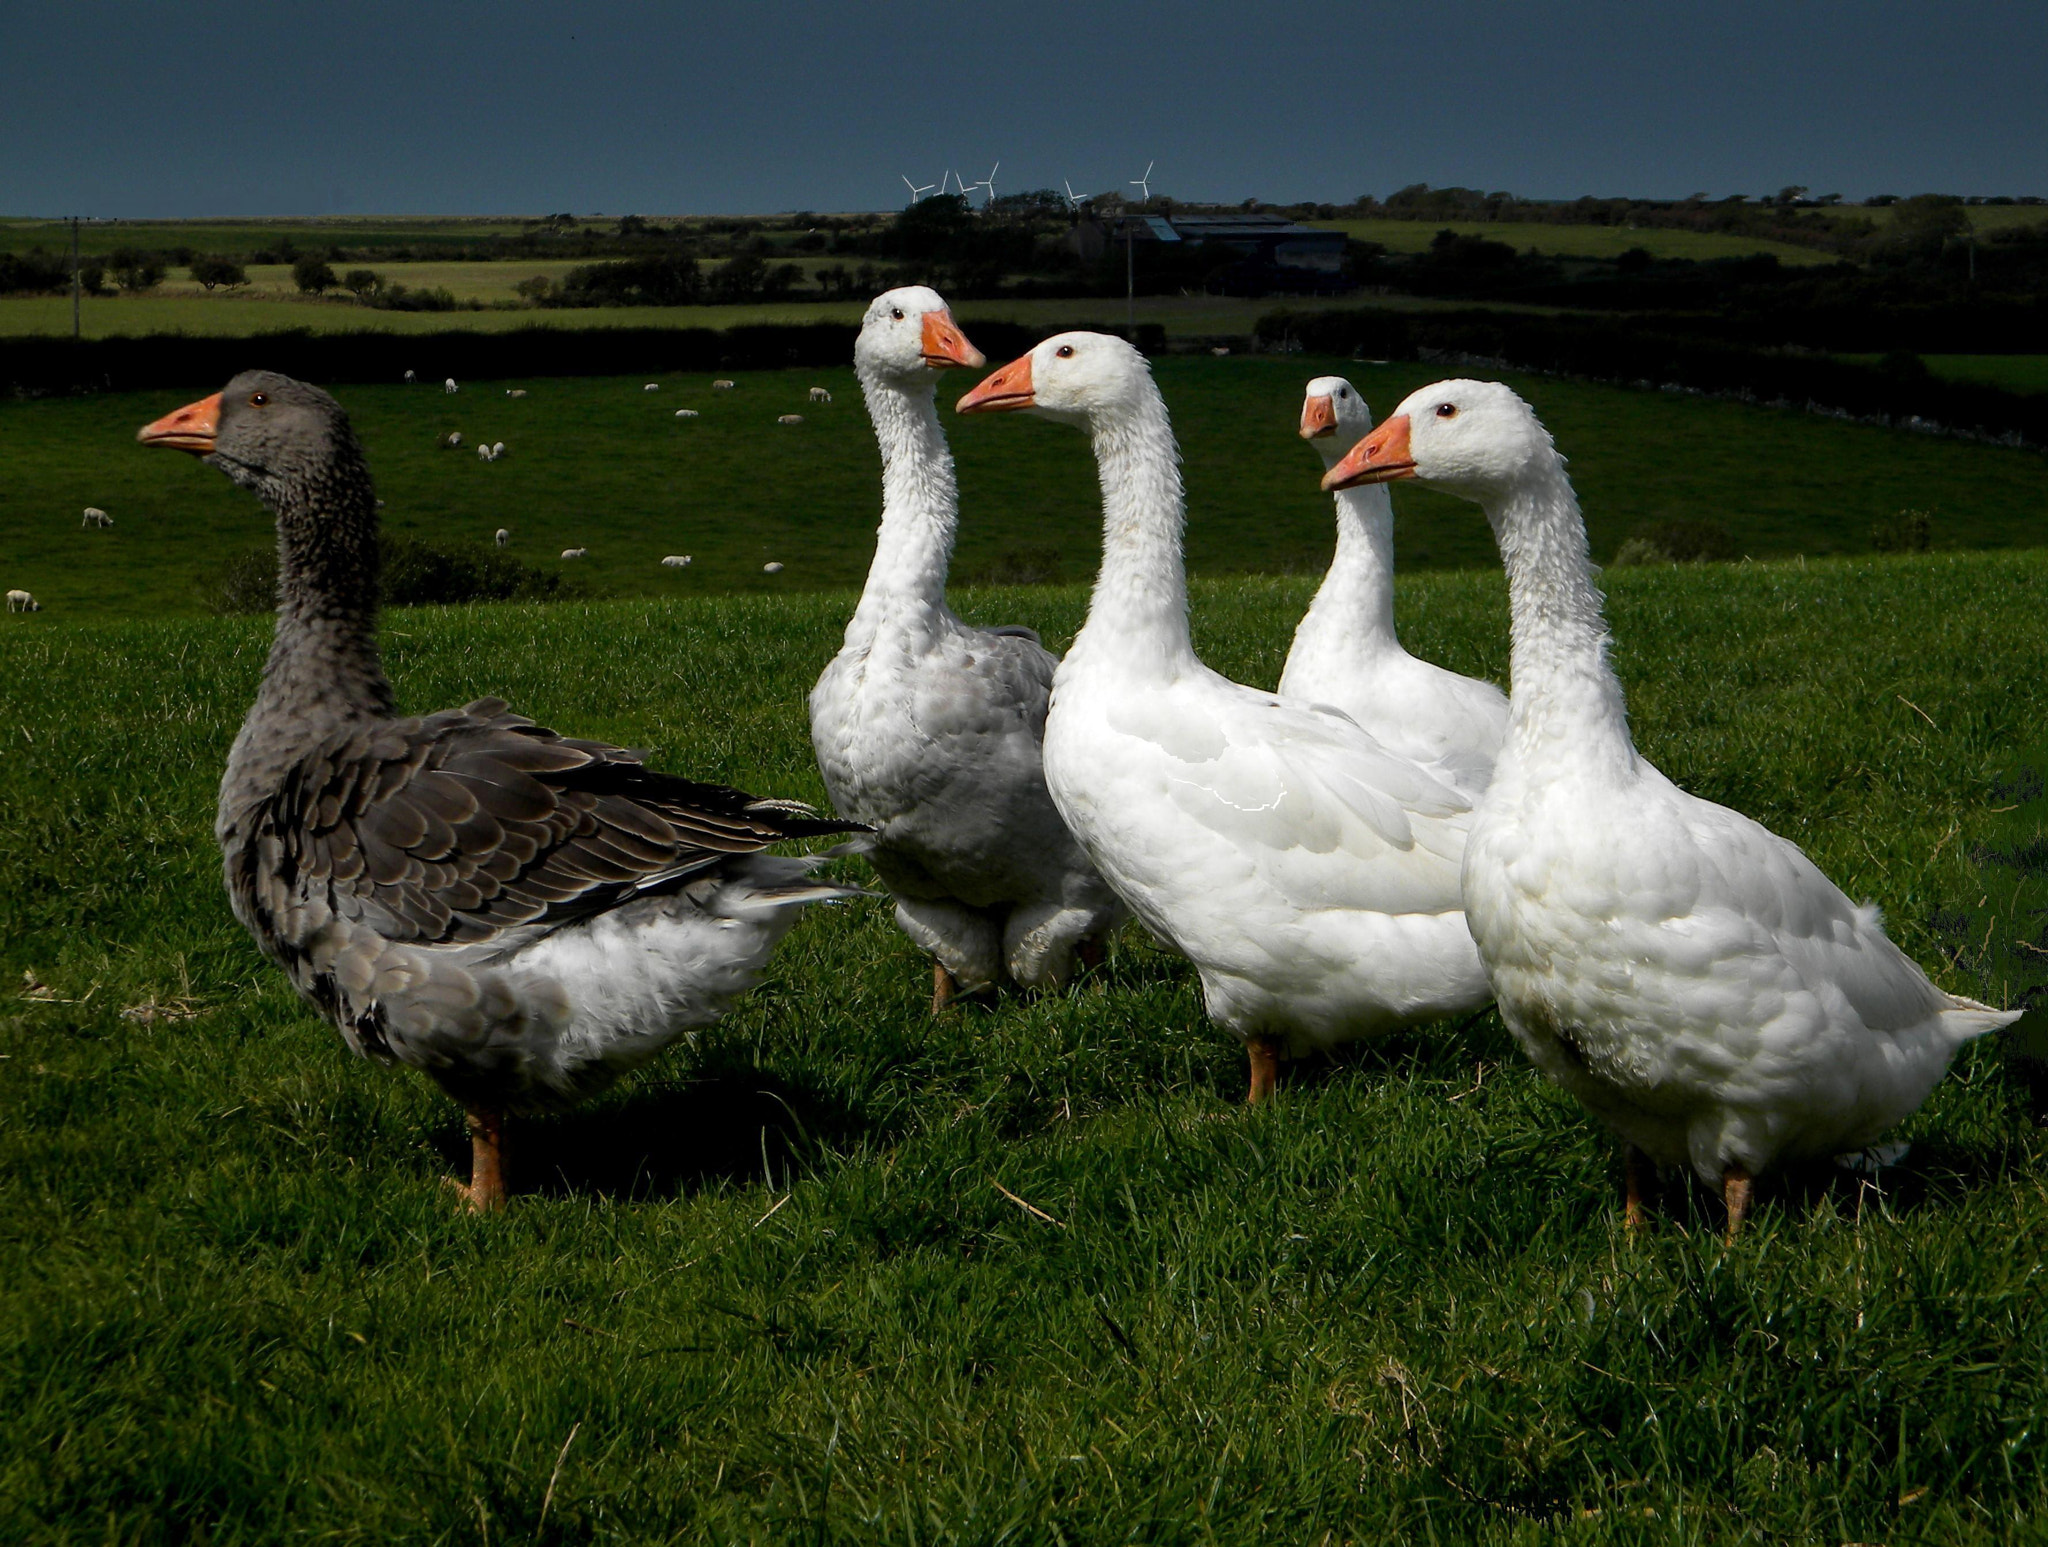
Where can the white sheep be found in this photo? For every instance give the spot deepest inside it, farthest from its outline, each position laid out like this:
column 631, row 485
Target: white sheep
column 652, row 386
column 575, row 553
column 820, row 395
column 21, row 601
column 501, row 537
column 483, row 453
column 790, row 419
column 686, row 413
column 1220, row 351
column 723, row 386
column 773, row 567
column 497, row 451
column 676, row 561
column 454, row 441
column 449, row 385
column 412, row 376
column 94, row 516
column 515, row 392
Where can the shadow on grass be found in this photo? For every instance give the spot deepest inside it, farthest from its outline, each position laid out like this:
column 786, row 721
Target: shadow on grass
column 742, row 1126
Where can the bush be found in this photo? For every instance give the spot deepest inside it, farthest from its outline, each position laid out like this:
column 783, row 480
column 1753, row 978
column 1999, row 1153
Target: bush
column 34, row 273
column 433, row 298
column 414, row 574
column 134, row 269
column 1910, row 531
column 1676, row 542
column 214, row 272
column 664, row 281
column 312, row 276
column 363, row 284
column 535, row 290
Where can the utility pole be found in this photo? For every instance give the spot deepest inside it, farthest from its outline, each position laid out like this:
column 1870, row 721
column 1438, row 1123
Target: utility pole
column 74, row 279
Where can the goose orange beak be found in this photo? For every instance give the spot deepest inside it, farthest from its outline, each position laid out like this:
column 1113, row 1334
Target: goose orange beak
column 1381, row 457
column 1007, row 388
column 190, row 428
column 1318, row 417
column 944, row 344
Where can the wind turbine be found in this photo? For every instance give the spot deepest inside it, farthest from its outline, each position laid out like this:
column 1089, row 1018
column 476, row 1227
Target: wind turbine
column 1074, row 203
column 988, row 183
column 916, row 192
column 1144, row 184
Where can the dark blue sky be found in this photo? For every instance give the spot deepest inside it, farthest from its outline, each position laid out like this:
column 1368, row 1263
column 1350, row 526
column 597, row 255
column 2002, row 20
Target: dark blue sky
column 368, row 106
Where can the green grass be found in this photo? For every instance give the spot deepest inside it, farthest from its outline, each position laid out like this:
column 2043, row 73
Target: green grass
column 1575, row 241
column 599, row 463
column 2015, row 373
column 769, row 1290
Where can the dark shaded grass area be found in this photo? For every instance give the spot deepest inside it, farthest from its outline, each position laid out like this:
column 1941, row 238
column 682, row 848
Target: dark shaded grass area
column 599, row 463
column 771, row 1291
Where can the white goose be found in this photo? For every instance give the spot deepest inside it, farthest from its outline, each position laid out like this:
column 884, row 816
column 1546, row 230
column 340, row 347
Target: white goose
column 1685, row 972
column 1309, row 873
column 1346, row 653
column 930, row 728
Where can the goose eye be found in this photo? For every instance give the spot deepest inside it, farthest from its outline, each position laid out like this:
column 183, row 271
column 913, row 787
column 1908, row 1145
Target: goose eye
column 1447, row 410
column 1343, row 393
column 896, row 312
column 258, row 399
column 1065, row 351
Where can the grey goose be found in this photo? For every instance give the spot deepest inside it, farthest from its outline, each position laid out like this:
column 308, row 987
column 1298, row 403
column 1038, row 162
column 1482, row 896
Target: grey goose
column 520, row 916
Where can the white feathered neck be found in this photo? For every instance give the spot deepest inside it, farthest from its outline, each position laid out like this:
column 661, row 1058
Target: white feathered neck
column 1567, row 705
column 1138, row 615
column 920, row 507
column 1355, row 602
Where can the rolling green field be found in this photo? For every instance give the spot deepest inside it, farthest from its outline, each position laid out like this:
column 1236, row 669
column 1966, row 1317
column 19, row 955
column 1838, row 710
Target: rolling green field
column 776, row 1288
column 601, row 463
column 2015, row 373
column 1574, row 241
column 223, row 315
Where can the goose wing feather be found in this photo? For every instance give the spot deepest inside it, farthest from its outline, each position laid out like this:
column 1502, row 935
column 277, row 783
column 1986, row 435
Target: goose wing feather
column 456, row 827
column 1305, row 796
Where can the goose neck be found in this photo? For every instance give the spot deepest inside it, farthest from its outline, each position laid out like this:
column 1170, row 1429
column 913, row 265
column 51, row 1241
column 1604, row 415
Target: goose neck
column 1567, row 703
column 920, row 502
column 1357, row 595
column 324, row 661
column 1140, row 603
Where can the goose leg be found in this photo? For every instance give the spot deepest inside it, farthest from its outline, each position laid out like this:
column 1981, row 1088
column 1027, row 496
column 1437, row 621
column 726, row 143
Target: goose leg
column 1636, row 1178
column 943, row 987
column 1265, row 1059
column 1091, row 955
column 1735, row 1192
column 489, row 1161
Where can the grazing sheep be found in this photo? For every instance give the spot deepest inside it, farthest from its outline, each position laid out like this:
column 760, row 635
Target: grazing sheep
column 21, row 601
column 790, row 419
column 686, row 413
column 723, row 386
column 94, row 516
column 575, row 553
column 449, row 385
column 412, row 376
column 820, row 395
column 515, row 392
column 452, row 440
column 676, row 561
column 652, row 386
column 501, row 537
column 497, row 451
column 773, row 567
column 483, row 453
